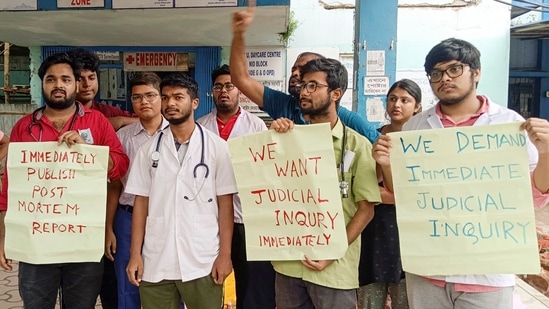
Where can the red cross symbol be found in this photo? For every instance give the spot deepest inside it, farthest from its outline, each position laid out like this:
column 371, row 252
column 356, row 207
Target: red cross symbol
column 130, row 59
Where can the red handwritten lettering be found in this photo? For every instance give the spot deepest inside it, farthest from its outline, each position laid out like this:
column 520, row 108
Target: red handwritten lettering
column 29, row 156
column 297, row 168
column 47, row 208
column 308, row 240
column 47, row 173
column 261, row 155
column 43, row 191
column 301, row 196
column 306, row 219
column 53, row 228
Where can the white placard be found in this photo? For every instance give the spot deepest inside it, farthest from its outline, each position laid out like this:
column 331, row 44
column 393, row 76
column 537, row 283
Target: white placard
column 204, row 3
column 73, row 4
column 140, row 4
column 265, row 63
column 375, row 62
column 376, row 85
column 156, row 61
column 18, row 5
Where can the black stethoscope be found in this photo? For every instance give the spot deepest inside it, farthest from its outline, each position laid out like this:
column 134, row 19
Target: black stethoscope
column 155, row 156
column 343, row 185
column 34, row 122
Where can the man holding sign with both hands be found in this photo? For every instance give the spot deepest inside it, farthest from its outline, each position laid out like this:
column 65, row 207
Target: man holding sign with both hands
column 328, row 284
column 67, row 122
column 453, row 69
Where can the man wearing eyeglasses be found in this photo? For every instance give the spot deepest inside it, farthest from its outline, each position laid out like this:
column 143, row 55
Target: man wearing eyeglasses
column 229, row 120
column 329, row 284
column 453, row 69
column 276, row 103
column 145, row 97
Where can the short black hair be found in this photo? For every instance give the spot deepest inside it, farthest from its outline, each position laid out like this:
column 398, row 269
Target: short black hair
column 183, row 81
column 147, row 79
column 336, row 73
column 59, row 58
column 86, row 59
column 453, row 49
column 222, row 70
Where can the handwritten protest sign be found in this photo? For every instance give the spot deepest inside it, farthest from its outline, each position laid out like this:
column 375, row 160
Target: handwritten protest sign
column 290, row 196
column 464, row 201
column 56, row 202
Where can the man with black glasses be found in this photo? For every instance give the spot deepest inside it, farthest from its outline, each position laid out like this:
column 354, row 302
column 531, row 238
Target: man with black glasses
column 453, row 69
column 328, row 284
column 229, row 120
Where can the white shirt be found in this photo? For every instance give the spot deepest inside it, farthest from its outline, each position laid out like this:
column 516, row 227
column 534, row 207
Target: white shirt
column 132, row 137
column 245, row 124
column 182, row 231
column 496, row 114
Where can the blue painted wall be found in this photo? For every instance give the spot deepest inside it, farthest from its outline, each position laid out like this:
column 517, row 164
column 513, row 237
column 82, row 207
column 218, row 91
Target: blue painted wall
column 372, row 37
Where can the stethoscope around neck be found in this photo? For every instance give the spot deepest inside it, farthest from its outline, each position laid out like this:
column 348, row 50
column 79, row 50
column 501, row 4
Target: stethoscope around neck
column 155, row 156
column 35, row 122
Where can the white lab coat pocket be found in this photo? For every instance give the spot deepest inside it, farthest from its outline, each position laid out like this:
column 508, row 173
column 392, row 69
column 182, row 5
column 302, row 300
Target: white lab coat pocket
column 206, row 234
column 155, row 237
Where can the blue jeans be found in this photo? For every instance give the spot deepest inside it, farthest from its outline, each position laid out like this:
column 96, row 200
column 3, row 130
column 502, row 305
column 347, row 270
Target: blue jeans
column 80, row 284
column 128, row 294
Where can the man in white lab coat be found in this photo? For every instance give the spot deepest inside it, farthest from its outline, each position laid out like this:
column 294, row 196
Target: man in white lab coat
column 182, row 220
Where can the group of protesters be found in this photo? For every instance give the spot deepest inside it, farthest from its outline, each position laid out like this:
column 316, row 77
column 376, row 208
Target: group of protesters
column 175, row 228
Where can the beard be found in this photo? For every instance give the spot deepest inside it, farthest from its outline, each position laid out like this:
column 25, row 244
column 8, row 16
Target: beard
column 180, row 120
column 226, row 107
column 60, row 104
column 315, row 111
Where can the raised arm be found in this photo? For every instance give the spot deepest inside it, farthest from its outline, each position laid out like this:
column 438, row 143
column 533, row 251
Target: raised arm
column 239, row 68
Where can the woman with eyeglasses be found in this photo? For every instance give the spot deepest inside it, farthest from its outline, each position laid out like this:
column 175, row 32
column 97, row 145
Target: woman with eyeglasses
column 380, row 269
